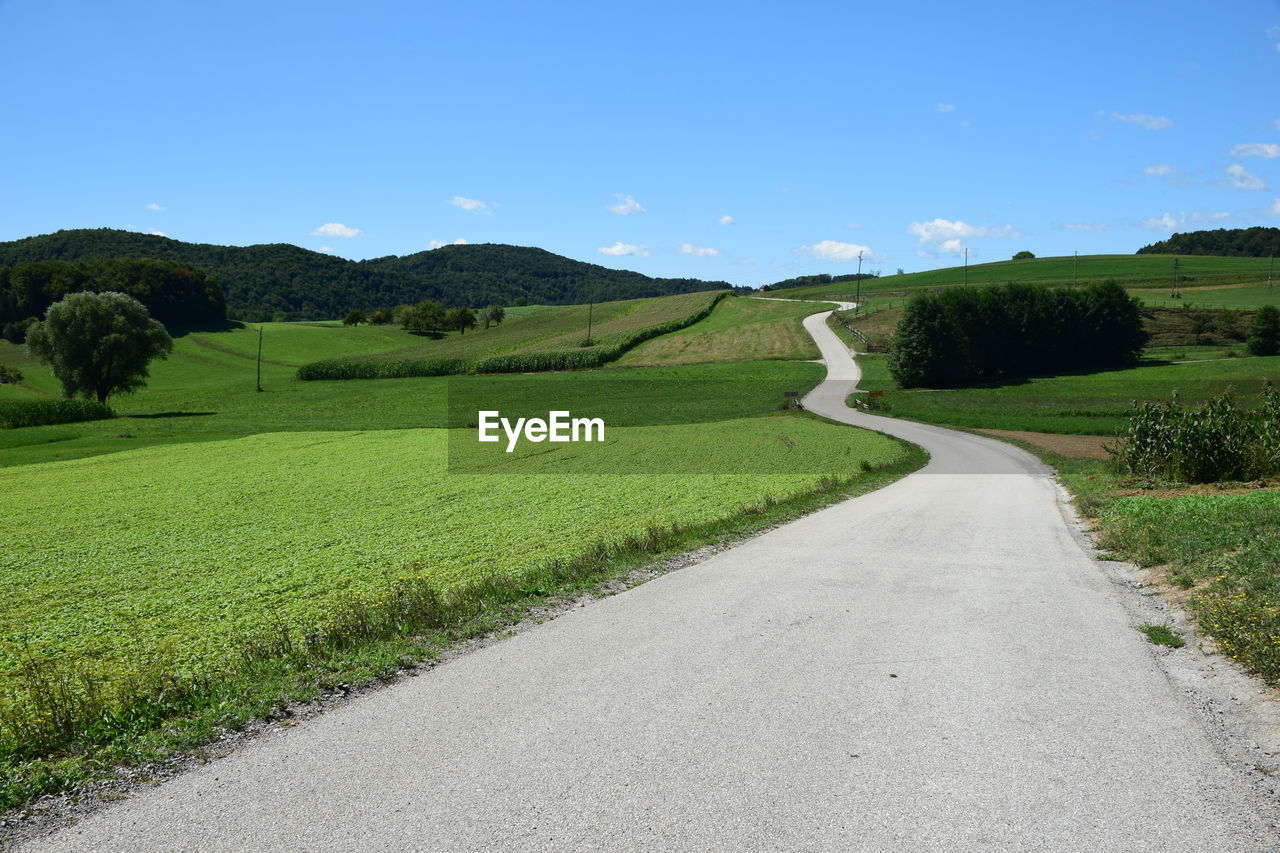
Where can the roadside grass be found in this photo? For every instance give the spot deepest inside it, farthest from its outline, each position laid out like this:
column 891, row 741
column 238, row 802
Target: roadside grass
column 1082, row 404
column 1162, row 635
column 737, row 329
column 197, row 591
column 1133, row 271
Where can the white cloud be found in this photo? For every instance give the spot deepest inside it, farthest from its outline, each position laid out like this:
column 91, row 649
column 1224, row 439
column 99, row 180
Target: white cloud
column 328, row 250
column 1274, row 210
column 834, row 250
column 1209, row 215
column 1276, row 123
column 1166, row 222
column 856, row 226
column 1160, row 169
column 1084, row 226
column 946, row 236
column 699, row 251
column 944, row 108
column 1257, row 149
column 471, row 205
column 1144, row 120
column 157, row 233
column 727, row 220
column 436, row 244
column 627, row 205
column 1242, row 179
column 336, row 229
column 154, row 206
column 620, row 248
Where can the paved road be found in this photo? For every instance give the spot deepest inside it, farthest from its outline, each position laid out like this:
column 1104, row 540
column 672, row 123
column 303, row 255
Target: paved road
column 935, row 666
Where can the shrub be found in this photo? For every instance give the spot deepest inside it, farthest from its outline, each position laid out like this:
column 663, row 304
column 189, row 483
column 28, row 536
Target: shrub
column 10, row 375
column 1219, row 441
column 354, row 318
column 1264, row 331
column 369, row 368
column 26, row 413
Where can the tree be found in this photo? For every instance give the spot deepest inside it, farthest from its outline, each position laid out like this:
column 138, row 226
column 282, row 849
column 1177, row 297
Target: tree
column 354, row 318
column 380, row 316
column 494, row 314
column 520, row 302
column 1264, row 332
column 460, row 319
column 98, row 344
column 1023, row 256
column 423, row 318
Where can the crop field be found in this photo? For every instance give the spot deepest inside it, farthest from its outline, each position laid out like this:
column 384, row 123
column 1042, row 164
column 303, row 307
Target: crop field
column 547, row 330
column 737, row 329
column 1132, row 271
column 1236, row 297
column 1084, row 404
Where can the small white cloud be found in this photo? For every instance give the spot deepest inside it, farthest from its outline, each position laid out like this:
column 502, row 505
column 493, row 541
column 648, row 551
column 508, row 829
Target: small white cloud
column 944, row 108
column 946, row 236
column 471, row 205
column 1166, row 222
column 154, row 206
column 1242, row 179
column 1274, row 210
column 1144, row 120
column 727, row 220
column 620, row 248
column 336, row 229
column 1160, row 170
column 1257, row 149
column 1276, row 123
column 157, row 233
column 627, row 205
column 436, row 244
column 834, row 250
column 1093, row 135
column 856, row 226
column 699, row 251
column 328, row 250
column 1084, row 226
column 1209, row 215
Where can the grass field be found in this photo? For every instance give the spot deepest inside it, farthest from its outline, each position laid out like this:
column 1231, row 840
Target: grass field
column 1132, row 271
column 1086, row 404
column 738, row 329
column 1236, row 297
column 546, row 330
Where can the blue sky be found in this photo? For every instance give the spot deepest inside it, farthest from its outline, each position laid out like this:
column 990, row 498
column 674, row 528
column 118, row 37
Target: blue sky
column 740, row 141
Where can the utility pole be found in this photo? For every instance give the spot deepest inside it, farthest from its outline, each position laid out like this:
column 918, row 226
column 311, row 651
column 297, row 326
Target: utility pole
column 1270, row 268
column 857, row 299
column 1175, row 293
column 1075, row 265
column 966, row 264
column 259, row 356
column 591, row 304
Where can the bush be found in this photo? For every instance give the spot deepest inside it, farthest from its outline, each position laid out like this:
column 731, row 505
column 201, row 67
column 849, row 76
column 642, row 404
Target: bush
column 25, row 413
column 1219, row 441
column 354, row 318
column 16, row 331
column 10, row 375
column 1264, row 332
column 1023, row 256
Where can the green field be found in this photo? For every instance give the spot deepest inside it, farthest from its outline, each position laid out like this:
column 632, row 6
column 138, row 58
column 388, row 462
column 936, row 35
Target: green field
column 1085, row 404
column 737, row 329
column 545, row 329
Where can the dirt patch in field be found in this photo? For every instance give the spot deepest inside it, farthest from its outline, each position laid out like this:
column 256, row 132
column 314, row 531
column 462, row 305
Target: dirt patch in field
column 1090, row 446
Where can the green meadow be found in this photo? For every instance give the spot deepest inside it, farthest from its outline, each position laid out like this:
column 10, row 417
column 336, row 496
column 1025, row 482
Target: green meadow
column 215, row 550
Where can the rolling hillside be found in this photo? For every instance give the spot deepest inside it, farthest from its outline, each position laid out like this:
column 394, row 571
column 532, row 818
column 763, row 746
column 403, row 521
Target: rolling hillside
column 284, row 281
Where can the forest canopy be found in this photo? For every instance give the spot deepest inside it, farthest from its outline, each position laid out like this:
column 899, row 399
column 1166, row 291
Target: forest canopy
column 1257, row 242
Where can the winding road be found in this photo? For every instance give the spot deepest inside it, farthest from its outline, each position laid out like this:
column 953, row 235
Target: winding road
column 938, row 665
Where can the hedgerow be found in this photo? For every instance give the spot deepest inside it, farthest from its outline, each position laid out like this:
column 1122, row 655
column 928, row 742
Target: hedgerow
column 28, row 413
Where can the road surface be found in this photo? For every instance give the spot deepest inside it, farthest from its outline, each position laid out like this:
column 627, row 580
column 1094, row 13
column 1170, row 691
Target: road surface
column 934, row 666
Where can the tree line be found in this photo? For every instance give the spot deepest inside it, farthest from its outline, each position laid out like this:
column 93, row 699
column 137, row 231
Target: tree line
column 1256, row 242
column 958, row 335
column 175, row 294
column 286, row 282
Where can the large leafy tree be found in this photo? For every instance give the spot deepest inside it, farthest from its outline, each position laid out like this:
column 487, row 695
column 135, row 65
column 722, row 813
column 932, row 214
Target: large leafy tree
column 1264, row 331
column 99, row 344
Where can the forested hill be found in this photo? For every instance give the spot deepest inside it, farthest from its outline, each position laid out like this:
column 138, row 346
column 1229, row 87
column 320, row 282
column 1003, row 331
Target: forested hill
column 1257, row 242
column 263, row 281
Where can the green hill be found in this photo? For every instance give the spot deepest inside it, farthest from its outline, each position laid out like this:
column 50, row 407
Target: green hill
column 288, row 282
